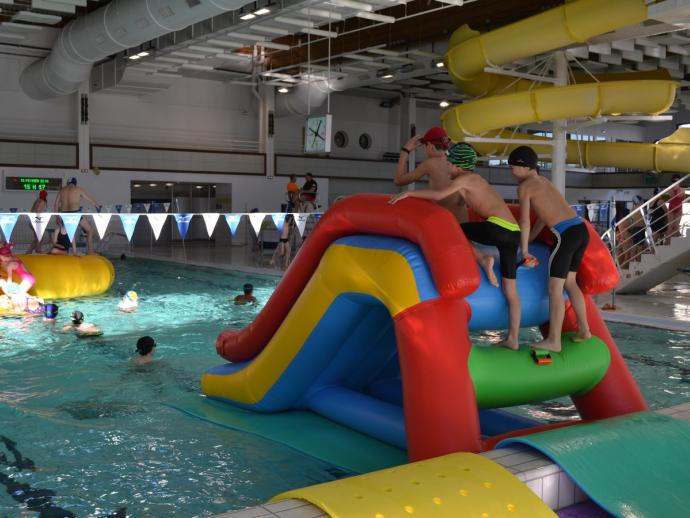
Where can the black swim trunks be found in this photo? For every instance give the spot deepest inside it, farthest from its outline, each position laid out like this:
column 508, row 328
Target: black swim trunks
column 572, row 238
column 63, row 242
column 502, row 234
column 283, row 240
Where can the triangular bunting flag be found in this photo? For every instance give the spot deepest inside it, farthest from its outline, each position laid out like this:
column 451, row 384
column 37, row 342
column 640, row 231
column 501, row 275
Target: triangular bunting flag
column 39, row 221
column 256, row 219
column 129, row 221
column 166, row 206
column 301, row 222
column 233, row 221
column 278, row 219
column 183, row 223
column 211, row 219
column 101, row 221
column 157, row 221
column 7, row 223
column 71, row 221
column 147, row 206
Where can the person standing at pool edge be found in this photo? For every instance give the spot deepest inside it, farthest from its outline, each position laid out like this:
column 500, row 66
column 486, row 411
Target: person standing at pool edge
column 538, row 194
column 69, row 200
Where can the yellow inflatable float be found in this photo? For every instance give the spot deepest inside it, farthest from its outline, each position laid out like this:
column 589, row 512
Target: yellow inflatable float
column 68, row 276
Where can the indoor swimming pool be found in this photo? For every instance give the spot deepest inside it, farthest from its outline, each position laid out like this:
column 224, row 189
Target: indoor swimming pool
column 87, row 432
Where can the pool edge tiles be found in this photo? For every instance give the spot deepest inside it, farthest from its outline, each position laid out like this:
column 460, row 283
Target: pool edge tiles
column 545, row 478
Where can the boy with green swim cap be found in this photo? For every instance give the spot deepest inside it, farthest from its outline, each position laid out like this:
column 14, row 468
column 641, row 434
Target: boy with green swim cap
column 499, row 228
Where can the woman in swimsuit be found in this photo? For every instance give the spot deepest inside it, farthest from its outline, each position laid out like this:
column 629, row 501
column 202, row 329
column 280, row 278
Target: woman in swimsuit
column 284, row 248
column 13, row 265
column 61, row 242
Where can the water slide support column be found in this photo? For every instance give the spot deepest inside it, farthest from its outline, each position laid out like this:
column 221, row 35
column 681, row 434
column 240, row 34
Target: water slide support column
column 408, row 128
column 559, row 132
column 439, row 401
column 617, row 393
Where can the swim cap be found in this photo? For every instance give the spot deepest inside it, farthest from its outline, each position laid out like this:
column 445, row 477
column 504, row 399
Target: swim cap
column 463, row 155
column 132, row 295
column 6, row 249
column 523, row 156
column 73, row 181
column 43, row 194
column 436, row 136
column 77, row 317
column 51, row 310
column 145, row 344
column 248, row 288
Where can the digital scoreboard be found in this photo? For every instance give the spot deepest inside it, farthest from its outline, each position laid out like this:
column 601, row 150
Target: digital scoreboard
column 32, row 183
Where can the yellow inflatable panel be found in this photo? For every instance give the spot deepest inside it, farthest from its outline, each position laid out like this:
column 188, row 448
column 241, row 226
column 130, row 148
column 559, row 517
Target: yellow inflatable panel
column 68, row 276
column 455, row 485
column 558, row 102
column 384, row 274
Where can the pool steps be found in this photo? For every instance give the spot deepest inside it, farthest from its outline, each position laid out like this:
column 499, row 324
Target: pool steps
column 542, row 476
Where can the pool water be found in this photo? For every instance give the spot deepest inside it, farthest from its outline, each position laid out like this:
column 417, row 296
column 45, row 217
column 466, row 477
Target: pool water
column 86, row 432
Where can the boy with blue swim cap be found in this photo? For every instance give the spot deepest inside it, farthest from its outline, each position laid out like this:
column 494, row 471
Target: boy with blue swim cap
column 539, row 195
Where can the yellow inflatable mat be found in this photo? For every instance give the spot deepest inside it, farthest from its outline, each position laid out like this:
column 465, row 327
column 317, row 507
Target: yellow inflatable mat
column 455, row 485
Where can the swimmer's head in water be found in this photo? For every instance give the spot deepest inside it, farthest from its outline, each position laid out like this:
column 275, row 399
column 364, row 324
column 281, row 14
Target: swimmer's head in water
column 132, row 295
column 77, row 318
column 248, row 289
column 51, row 311
column 145, row 345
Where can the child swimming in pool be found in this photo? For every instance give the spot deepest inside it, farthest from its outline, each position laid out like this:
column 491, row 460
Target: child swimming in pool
column 81, row 328
column 146, row 347
column 129, row 302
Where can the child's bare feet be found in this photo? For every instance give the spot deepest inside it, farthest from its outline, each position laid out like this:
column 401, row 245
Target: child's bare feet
column 509, row 343
column 581, row 337
column 549, row 345
column 487, row 264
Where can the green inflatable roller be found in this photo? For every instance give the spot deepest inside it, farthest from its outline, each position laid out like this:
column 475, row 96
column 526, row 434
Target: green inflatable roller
column 503, row 377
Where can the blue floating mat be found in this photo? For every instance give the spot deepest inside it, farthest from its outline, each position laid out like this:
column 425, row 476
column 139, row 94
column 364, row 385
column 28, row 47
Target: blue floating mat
column 633, row 466
column 306, row 432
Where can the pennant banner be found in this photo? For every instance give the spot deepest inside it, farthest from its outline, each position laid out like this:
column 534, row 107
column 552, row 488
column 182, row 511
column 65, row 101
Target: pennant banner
column 233, row 221
column 210, row 219
column 147, row 206
column 7, row 223
column 71, row 221
column 279, row 219
column 129, row 221
column 101, row 221
column 301, row 222
column 157, row 221
column 166, row 206
column 39, row 221
column 256, row 219
column 183, row 221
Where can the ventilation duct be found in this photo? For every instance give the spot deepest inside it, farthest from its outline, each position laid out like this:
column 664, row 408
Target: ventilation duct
column 120, row 25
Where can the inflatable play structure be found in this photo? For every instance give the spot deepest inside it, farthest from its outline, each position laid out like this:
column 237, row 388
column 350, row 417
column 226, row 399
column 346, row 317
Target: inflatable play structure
column 68, row 276
column 506, row 102
column 370, row 328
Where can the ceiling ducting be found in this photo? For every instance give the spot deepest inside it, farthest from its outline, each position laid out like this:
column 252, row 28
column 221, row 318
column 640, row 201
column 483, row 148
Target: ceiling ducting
column 120, row 25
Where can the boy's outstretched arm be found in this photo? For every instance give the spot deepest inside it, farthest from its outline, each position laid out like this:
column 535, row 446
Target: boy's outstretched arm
column 428, row 194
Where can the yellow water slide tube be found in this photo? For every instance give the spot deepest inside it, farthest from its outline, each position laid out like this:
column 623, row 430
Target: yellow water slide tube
column 506, row 102
column 68, row 276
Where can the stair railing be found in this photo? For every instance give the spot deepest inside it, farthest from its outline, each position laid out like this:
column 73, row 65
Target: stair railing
column 634, row 235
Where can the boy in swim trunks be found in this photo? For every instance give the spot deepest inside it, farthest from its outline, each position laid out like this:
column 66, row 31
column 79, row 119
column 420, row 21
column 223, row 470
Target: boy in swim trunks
column 539, row 195
column 69, row 200
column 500, row 229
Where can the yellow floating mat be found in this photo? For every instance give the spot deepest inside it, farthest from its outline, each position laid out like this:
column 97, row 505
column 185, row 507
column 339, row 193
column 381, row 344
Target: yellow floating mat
column 68, row 276
column 455, row 485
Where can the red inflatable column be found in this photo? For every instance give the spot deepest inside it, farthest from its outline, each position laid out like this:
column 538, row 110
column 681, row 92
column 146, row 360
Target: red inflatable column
column 617, row 393
column 439, row 401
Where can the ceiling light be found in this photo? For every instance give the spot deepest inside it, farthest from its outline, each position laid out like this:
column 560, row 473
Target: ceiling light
column 199, row 186
column 135, row 56
column 153, row 185
column 247, row 16
column 387, row 76
column 263, row 10
column 169, row 184
column 444, row 104
column 440, row 64
column 143, row 54
column 137, row 185
column 283, row 90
